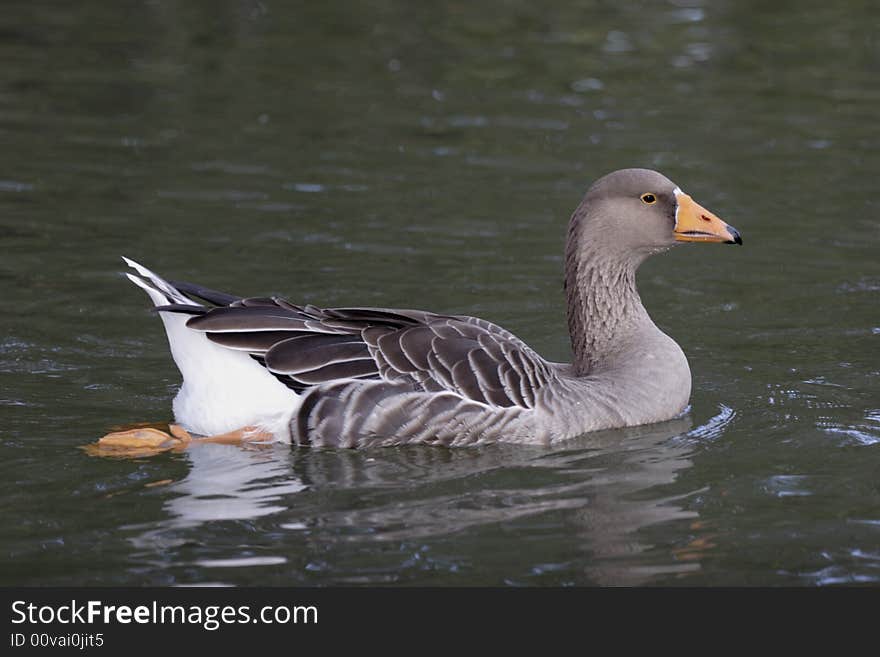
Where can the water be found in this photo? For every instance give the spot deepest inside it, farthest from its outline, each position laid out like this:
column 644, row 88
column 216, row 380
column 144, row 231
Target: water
column 429, row 156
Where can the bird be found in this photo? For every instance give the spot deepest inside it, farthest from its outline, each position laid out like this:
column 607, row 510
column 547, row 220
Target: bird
column 263, row 368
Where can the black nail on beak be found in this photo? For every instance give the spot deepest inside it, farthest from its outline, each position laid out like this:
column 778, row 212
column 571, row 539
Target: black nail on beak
column 737, row 238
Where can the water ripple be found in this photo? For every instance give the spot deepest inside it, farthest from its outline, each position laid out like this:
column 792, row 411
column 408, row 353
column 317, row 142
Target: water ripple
column 867, row 433
column 15, row 186
column 241, row 562
column 712, row 428
column 787, row 486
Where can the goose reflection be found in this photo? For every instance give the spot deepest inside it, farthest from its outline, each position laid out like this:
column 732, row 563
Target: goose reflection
column 624, row 501
column 224, row 482
column 594, row 499
column 602, row 489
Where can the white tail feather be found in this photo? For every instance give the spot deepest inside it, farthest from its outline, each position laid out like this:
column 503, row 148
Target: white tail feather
column 157, row 297
column 159, row 284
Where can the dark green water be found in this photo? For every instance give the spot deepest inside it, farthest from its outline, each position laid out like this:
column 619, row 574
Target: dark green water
column 429, row 155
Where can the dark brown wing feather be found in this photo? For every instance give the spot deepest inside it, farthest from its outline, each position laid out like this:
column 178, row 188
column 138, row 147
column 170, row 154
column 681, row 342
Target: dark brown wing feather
column 305, row 346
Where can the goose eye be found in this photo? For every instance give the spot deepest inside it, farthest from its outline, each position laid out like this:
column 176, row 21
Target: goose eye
column 649, row 199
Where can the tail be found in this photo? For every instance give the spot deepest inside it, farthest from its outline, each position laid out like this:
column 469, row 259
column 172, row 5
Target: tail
column 223, row 389
column 161, row 291
column 184, row 343
column 177, row 296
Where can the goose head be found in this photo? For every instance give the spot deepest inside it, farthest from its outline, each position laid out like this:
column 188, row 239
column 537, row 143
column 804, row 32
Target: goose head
column 633, row 213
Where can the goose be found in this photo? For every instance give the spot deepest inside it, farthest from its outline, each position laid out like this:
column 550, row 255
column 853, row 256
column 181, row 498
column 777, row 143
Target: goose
column 263, row 368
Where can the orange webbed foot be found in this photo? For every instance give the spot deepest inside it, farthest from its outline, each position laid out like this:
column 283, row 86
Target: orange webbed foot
column 147, row 440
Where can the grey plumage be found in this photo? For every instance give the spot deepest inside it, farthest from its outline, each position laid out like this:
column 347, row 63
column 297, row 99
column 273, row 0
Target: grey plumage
column 380, row 376
column 349, row 362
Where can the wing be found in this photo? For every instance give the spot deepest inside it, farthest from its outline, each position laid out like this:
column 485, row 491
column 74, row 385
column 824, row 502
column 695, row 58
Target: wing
column 306, row 346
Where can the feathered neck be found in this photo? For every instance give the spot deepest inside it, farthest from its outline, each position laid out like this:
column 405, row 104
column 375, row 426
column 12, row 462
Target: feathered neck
column 604, row 307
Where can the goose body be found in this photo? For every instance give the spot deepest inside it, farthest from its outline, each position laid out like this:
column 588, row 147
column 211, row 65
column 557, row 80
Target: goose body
column 352, row 377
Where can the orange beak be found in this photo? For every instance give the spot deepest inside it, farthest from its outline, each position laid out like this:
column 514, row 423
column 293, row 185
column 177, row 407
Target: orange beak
column 694, row 223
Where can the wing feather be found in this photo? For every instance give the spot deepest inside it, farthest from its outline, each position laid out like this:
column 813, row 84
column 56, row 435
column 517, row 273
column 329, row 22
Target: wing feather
column 249, row 318
column 307, row 346
column 311, row 352
column 415, row 343
column 390, row 347
column 352, row 369
column 466, row 381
